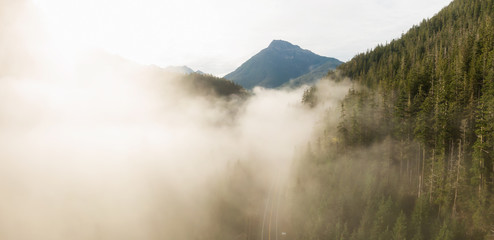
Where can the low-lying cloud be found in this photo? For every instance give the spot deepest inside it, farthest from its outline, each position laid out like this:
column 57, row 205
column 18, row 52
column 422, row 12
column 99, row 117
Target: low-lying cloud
column 95, row 147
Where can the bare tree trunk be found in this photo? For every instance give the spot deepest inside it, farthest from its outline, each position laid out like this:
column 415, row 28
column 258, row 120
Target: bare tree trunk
column 481, row 165
column 431, row 183
column 458, row 166
column 401, row 157
column 419, row 173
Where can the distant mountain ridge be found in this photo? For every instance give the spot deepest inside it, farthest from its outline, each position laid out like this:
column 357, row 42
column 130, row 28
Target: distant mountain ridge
column 182, row 70
column 194, row 84
column 313, row 76
column 277, row 64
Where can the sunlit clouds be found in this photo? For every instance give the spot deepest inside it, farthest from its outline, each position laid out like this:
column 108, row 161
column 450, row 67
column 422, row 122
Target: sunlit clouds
column 217, row 36
column 94, row 146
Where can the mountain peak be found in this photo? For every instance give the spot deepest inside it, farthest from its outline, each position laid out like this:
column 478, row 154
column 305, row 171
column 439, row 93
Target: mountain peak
column 281, row 45
column 277, row 64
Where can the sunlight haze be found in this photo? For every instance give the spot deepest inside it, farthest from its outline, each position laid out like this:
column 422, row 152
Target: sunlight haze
column 217, row 36
column 246, row 120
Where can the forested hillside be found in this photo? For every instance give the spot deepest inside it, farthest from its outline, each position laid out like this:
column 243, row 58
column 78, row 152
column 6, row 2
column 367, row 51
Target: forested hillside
column 208, row 84
column 415, row 142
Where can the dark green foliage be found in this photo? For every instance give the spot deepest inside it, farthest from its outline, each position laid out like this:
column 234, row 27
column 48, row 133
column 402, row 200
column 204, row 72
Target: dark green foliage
column 310, row 98
column 349, row 197
column 400, row 227
column 277, row 64
column 209, row 84
column 365, row 119
column 427, row 102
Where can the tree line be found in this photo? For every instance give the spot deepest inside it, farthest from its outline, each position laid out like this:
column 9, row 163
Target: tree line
column 423, row 113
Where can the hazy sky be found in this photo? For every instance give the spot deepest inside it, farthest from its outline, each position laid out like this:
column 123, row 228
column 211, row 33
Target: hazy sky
column 216, row 36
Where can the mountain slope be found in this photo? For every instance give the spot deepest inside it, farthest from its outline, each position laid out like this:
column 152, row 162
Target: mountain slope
column 314, row 75
column 193, row 84
column 276, row 65
column 429, row 100
column 205, row 84
column 179, row 69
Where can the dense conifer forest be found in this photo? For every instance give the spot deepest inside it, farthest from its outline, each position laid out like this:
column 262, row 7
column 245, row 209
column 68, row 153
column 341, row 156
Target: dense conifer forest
column 413, row 154
column 209, row 84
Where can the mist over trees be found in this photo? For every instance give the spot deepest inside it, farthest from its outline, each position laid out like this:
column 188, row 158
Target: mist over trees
column 397, row 143
column 422, row 118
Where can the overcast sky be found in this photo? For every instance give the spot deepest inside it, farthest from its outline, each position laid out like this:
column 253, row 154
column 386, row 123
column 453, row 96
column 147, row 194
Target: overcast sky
column 216, row 36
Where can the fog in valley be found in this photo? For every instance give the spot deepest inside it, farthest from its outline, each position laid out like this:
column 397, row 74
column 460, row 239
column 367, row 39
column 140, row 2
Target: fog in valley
column 93, row 146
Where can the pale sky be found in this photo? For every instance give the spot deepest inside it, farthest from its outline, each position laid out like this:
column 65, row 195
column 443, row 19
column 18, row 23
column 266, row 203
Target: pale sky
column 216, row 36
